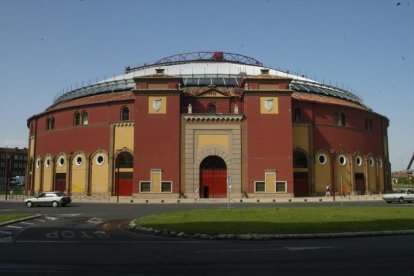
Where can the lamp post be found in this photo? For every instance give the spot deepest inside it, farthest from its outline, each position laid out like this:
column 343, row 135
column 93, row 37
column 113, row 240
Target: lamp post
column 333, row 163
column 7, row 173
column 117, row 178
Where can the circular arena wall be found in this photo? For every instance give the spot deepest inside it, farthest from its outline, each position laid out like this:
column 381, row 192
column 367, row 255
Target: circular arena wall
column 280, row 135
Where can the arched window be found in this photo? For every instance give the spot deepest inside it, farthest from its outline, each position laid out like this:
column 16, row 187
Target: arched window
column 76, row 119
column 211, row 108
column 50, row 123
column 343, row 119
column 85, row 119
column 125, row 160
column 125, row 113
column 300, row 160
column 297, row 115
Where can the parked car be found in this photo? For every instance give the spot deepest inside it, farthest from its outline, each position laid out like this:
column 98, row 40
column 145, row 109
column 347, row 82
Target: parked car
column 54, row 199
column 400, row 196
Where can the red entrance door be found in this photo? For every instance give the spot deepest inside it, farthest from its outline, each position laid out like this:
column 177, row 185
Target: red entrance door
column 301, row 184
column 213, row 183
column 60, row 184
column 123, row 184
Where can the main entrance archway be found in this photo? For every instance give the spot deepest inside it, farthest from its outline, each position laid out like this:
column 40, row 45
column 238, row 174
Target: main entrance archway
column 213, row 175
column 300, row 174
column 123, row 174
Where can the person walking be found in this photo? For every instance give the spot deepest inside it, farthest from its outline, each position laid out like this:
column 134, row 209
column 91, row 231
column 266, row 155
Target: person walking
column 327, row 190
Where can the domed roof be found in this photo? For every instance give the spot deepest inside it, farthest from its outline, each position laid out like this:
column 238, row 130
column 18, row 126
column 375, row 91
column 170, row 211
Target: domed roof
column 202, row 69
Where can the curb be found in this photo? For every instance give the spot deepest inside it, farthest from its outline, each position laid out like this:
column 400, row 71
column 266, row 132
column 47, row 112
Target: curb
column 263, row 237
column 19, row 220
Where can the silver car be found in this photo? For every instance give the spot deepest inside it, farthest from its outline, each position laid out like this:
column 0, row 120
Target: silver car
column 54, row 199
column 400, row 195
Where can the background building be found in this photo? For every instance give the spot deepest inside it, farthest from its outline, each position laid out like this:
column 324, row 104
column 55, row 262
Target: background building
column 12, row 166
column 182, row 126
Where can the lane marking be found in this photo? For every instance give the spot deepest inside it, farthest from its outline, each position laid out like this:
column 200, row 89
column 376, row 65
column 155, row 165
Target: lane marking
column 301, row 248
column 15, row 227
column 95, row 220
column 41, row 220
column 69, row 215
column 289, row 248
column 27, row 223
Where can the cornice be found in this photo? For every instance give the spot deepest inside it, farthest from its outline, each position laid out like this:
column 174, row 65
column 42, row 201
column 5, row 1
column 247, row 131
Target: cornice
column 213, row 117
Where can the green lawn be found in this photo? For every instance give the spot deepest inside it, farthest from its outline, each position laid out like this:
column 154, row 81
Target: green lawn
column 283, row 220
column 8, row 217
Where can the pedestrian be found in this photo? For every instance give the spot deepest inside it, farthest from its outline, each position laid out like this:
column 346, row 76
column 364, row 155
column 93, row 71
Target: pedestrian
column 328, row 190
column 196, row 194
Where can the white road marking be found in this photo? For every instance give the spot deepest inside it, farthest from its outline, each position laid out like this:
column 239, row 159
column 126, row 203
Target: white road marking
column 15, row 227
column 95, row 220
column 27, row 223
column 51, row 218
column 301, row 248
column 40, row 220
column 293, row 248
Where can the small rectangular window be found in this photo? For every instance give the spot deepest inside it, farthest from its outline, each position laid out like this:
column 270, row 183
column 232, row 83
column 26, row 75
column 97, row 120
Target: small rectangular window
column 281, row 186
column 166, row 187
column 368, row 124
column 145, row 187
column 259, row 187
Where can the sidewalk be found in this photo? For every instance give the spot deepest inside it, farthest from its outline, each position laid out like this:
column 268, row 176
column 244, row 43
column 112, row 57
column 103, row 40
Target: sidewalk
column 132, row 200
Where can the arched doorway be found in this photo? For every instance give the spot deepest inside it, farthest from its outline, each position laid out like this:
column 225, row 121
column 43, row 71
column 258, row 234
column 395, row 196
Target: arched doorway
column 123, row 174
column 213, row 176
column 300, row 174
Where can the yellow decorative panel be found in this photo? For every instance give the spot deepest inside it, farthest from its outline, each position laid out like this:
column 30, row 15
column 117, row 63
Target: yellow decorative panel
column 78, row 177
column 37, row 179
column 156, row 181
column 47, row 179
column 372, row 179
column 157, row 105
column 301, row 137
column 322, row 171
column 124, row 137
column 343, row 173
column 99, row 179
column 60, row 168
column 381, row 178
column 270, row 180
column 359, row 169
column 31, row 145
column 269, row 105
column 213, row 139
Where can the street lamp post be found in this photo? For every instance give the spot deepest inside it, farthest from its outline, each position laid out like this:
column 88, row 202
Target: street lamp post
column 7, row 173
column 117, row 178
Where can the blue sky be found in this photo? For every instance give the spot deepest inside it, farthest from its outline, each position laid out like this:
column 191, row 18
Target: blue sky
column 366, row 47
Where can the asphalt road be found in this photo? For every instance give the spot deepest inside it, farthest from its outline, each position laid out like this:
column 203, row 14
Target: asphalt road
column 93, row 239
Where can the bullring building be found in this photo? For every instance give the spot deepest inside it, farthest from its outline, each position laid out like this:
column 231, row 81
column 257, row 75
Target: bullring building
column 188, row 124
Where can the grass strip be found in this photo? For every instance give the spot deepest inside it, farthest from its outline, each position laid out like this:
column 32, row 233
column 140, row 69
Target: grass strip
column 283, row 220
column 8, row 217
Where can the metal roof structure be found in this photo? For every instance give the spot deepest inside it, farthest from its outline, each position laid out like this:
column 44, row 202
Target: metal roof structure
column 202, row 69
